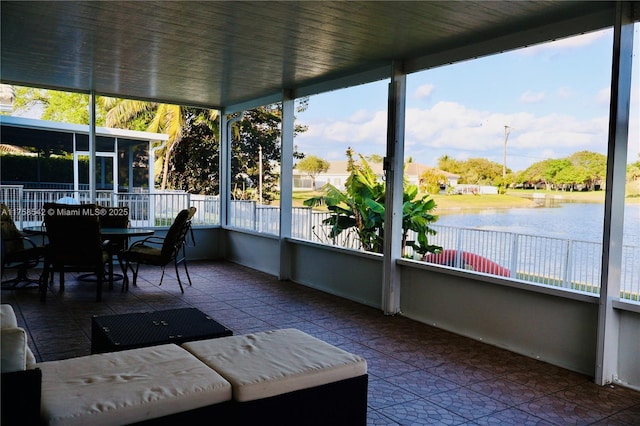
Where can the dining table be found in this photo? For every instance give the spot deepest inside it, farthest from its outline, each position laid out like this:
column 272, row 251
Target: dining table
column 106, row 233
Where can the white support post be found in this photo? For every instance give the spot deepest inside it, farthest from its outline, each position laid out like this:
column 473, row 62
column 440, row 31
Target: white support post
column 116, row 183
column 224, row 170
column 286, row 182
column 92, row 147
column 394, row 171
column 130, row 169
column 225, row 166
column 608, row 319
column 152, row 182
column 76, row 167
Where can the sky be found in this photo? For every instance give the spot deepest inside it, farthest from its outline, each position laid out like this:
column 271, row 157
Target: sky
column 554, row 98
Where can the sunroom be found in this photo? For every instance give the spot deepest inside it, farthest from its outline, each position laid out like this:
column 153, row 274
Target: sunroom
column 234, row 56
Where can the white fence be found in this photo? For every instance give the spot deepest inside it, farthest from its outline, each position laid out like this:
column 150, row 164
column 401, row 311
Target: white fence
column 570, row 264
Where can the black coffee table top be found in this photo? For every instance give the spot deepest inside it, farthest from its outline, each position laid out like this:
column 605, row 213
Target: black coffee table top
column 127, row 331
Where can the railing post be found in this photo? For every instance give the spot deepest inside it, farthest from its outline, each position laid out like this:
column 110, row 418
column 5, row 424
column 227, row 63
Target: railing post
column 20, row 205
column 458, row 259
column 566, row 280
column 255, row 216
column 514, row 256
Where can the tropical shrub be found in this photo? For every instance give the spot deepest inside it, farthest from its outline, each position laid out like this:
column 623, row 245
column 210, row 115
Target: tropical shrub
column 360, row 207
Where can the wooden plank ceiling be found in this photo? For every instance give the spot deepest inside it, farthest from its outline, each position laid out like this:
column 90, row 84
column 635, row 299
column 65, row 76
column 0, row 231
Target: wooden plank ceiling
column 231, row 53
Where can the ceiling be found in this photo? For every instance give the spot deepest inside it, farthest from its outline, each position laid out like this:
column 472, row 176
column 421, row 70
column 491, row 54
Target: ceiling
column 232, row 55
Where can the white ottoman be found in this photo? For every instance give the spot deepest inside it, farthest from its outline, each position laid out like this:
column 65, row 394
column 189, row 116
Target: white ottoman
column 129, row 386
column 288, row 377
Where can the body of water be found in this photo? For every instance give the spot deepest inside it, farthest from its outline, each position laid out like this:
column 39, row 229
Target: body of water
column 572, row 221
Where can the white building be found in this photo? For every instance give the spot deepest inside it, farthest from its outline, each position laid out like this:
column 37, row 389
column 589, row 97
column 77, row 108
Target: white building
column 337, row 175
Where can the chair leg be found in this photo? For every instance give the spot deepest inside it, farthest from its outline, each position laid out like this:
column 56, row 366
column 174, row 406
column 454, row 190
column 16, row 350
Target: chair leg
column 184, row 259
column 135, row 275
column 21, row 277
column 125, row 276
column 110, row 267
column 99, row 279
column 44, row 283
column 125, row 273
column 187, row 270
column 178, row 275
column 162, row 276
column 61, row 280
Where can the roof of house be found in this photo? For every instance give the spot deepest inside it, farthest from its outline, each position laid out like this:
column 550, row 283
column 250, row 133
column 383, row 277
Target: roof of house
column 22, row 131
column 339, row 168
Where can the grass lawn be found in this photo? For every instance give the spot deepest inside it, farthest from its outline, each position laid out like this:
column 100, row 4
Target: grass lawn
column 449, row 202
column 512, row 199
column 452, row 203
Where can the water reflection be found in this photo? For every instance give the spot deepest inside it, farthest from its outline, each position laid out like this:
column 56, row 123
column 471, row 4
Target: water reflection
column 555, row 218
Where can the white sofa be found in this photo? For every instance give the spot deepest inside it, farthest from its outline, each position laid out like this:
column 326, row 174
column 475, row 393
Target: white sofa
column 20, row 378
column 282, row 376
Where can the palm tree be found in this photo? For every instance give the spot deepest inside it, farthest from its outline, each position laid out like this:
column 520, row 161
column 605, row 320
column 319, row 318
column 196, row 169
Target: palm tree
column 152, row 117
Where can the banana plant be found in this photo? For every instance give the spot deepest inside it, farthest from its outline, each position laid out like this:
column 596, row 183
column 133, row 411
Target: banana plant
column 361, row 208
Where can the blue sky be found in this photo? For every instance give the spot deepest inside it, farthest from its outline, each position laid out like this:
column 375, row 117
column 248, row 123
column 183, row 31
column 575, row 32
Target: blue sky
column 554, row 98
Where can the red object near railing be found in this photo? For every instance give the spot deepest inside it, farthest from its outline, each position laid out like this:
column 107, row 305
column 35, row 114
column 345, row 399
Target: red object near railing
column 467, row 260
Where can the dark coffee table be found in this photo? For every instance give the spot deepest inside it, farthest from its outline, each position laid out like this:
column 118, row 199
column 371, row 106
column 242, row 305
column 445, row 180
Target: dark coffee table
column 110, row 333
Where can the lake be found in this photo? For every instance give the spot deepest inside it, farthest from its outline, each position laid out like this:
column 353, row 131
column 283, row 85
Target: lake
column 566, row 220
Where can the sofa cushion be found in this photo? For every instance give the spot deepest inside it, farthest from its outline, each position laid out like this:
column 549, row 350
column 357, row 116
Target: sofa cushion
column 7, row 316
column 128, row 386
column 16, row 355
column 266, row 364
column 14, row 349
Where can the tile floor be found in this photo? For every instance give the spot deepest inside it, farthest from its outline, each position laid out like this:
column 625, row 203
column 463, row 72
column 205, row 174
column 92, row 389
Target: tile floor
column 418, row 374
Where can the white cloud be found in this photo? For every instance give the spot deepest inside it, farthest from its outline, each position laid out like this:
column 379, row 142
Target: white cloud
column 361, row 116
column 566, row 43
column 453, row 129
column 548, row 153
column 530, row 97
column 362, row 126
column 603, row 96
column 565, row 92
column 424, row 91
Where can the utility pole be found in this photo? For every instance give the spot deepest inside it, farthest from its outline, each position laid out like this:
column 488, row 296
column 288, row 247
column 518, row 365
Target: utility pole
column 507, row 130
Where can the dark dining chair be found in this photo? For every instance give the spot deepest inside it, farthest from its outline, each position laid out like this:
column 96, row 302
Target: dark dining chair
column 17, row 251
column 160, row 251
column 75, row 244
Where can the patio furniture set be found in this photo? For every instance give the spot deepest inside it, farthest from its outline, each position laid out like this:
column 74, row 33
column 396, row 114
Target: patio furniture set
column 170, row 366
column 87, row 238
column 284, row 377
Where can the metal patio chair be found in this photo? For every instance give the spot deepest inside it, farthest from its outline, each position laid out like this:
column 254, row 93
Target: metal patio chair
column 75, row 244
column 160, row 251
column 17, row 252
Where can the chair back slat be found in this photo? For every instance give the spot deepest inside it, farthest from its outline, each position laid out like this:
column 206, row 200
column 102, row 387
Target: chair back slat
column 74, row 234
column 113, row 217
column 175, row 235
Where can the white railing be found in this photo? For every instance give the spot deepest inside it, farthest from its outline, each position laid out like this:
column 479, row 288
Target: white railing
column 156, row 209
column 207, row 209
column 570, row 264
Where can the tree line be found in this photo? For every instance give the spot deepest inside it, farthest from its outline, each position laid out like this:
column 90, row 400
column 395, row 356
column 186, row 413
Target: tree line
column 582, row 170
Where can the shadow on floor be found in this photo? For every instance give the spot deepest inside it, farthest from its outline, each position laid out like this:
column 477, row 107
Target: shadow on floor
column 418, row 374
